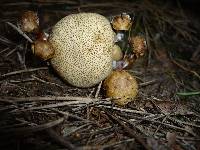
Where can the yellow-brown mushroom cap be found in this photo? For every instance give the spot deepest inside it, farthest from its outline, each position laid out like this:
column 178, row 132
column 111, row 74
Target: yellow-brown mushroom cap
column 29, row 21
column 42, row 49
column 138, row 43
column 122, row 22
column 121, row 86
column 83, row 48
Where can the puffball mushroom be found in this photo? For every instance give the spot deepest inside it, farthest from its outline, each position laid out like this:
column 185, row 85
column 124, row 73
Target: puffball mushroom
column 83, row 48
column 121, row 86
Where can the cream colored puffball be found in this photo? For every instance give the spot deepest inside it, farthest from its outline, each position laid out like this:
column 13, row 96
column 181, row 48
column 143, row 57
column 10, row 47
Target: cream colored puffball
column 83, row 48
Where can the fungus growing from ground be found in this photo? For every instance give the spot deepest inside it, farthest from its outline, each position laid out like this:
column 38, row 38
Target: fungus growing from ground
column 138, row 44
column 42, row 49
column 83, row 48
column 29, row 21
column 121, row 86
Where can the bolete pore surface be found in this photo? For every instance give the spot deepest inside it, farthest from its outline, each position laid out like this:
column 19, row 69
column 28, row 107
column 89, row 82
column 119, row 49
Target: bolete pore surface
column 83, row 48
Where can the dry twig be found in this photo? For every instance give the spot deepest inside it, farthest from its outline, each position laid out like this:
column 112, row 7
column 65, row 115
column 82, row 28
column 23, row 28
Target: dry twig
column 20, row 31
column 130, row 131
column 22, row 71
column 59, row 139
column 98, row 90
column 27, row 130
column 186, row 69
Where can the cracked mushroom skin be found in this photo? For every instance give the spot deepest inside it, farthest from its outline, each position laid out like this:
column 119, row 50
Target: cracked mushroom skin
column 83, row 48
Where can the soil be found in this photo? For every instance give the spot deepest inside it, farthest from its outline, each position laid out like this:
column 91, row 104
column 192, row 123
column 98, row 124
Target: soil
column 41, row 111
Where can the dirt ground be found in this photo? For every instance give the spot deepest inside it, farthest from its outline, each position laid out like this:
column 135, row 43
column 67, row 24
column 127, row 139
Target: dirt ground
column 38, row 110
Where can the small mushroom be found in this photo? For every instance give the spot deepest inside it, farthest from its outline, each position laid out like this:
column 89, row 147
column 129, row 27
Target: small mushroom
column 122, row 22
column 121, row 86
column 138, row 44
column 83, row 48
column 42, row 49
column 117, row 53
column 29, row 22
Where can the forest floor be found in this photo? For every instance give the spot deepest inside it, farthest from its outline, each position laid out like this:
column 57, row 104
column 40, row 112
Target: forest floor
column 38, row 110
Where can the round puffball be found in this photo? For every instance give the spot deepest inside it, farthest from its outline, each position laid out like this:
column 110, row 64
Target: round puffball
column 121, row 87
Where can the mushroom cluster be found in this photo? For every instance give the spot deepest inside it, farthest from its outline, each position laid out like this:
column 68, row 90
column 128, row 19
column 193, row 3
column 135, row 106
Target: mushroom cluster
column 41, row 47
column 82, row 50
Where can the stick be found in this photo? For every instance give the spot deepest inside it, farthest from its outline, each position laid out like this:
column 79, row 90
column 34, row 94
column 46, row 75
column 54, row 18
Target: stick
column 98, row 90
column 164, row 119
column 85, row 101
column 31, row 129
column 123, row 110
column 69, row 115
column 23, row 71
column 186, row 69
column 59, row 139
column 147, row 83
column 20, row 31
column 12, row 51
column 171, row 126
column 52, row 98
column 46, row 82
column 129, row 131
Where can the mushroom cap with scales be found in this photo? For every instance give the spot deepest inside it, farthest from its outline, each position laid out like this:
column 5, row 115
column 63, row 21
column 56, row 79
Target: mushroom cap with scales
column 83, row 48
